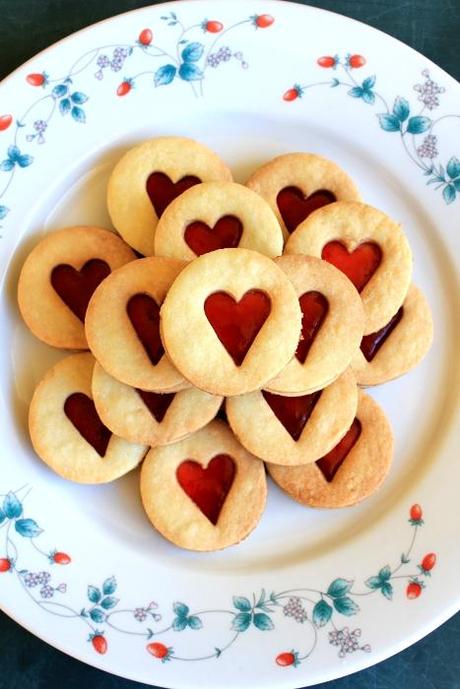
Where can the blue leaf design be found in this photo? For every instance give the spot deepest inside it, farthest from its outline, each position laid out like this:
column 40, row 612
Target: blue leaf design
column 457, row 184
column 385, row 573
column 181, row 609
column 368, row 83
column 25, row 160
column 346, row 606
column 97, row 615
column 321, row 613
column 453, row 167
column 164, row 75
column 401, row 109
column 2, row 514
column 241, row 621
column 109, row 586
column 263, row 622
column 389, row 123
column 339, row 587
column 94, row 594
column 334, row 82
column 418, row 124
column 12, row 507
column 449, row 193
column 109, row 602
column 189, row 71
column 13, row 153
column 242, row 603
column 179, row 624
column 192, row 52
column 79, row 98
column 194, row 622
column 78, row 114
column 356, row 92
column 373, row 582
column 369, row 97
column 27, row 528
column 387, row 590
column 59, row 91
column 6, row 165
column 65, row 106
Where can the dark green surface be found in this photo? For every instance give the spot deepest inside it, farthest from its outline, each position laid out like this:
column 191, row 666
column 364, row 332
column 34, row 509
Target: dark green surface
column 431, row 27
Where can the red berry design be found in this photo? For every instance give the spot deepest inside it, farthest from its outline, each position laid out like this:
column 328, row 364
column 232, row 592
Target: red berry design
column 416, row 513
column 5, row 121
column 428, row 562
column 5, row 564
column 99, row 643
column 414, row 589
column 124, row 88
column 145, row 37
column 292, row 94
column 287, row 658
column 213, row 26
column 159, row 650
column 356, row 61
column 61, row 558
column 36, row 79
column 262, row 21
column 327, row 61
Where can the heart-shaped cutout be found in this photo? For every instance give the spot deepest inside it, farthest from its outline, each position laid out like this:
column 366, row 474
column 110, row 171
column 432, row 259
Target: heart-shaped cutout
column 225, row 234
column 144, row 314
column 207, row 487
column 292, row 412
column 314, row 306
column 370, row 344
column 162, row 190
column 81, row 411
column 359, row 265
column 331, row 463
column 157, row 403
column 76, row 287
column 294, row 206
column 237, row 324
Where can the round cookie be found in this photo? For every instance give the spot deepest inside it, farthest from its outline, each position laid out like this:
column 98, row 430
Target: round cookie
column 397, row 347
column 66, row 431
column 231, row 321
column 149, row 176
column 294, row 430
column 150, row 417
column 368, row 246
column 217, row 215
column 296, row 184
column 205, row 492
column 58, row 278
column 332, row 326
column 352, row 471
column 123, row 325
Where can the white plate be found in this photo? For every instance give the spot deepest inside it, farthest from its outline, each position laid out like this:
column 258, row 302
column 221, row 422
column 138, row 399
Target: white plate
column 237, row 107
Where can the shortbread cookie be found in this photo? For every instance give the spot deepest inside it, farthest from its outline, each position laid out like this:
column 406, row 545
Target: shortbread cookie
column 149, row 176
column 151, row 417
column 399, row 346
column 217, row 215
column 66, row 431
column 349, row 473
column 368, row 246
column 205, row 492
column 296, row 184
column 332, row 326
column 231, row 321
column 60, row 275
column 123, row 325
column 294, row 430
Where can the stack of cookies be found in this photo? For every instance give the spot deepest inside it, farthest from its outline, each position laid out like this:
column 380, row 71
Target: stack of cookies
column 268, row 305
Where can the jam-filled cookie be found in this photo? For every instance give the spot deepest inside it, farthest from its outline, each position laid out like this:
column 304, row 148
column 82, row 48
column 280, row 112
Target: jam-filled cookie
column 366, row 245
column 294, row 430
column 231, row 321
column 149, row 176
column 123, row 325
column 397, row 347
column 59, row 277
column 217, row 215
column 205, row 492
column 332, row 326
column 151, row 417
column 349, row 473
column 296, row 184
column 66, row 431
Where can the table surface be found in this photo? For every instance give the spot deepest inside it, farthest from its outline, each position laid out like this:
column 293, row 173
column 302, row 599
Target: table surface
column 430, row 26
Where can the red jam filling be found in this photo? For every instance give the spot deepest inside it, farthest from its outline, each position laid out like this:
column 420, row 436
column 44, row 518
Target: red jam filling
column 294, row 207
column 237, row 323
column 157, row 403
column 144, row 314
column 225, row 234
column 162, row 190
column 314, row 308
column 208, row 487
column 81, row 411
column 370, row 344
column 359, row 265
column 76, row 287
column 331, row 463
column 292, row 412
